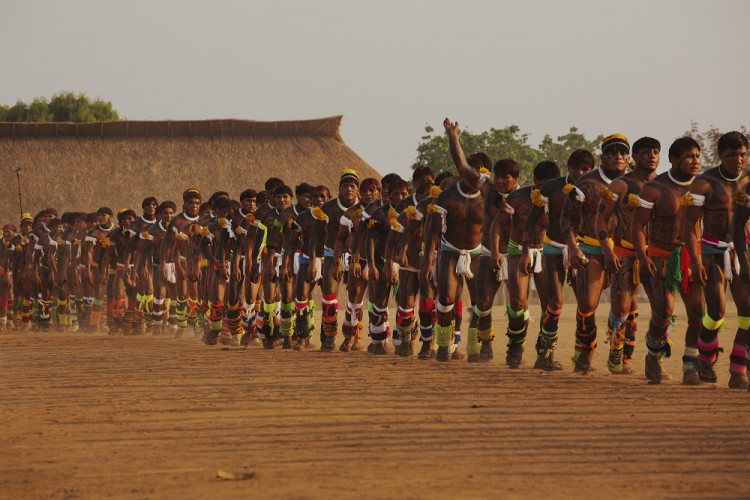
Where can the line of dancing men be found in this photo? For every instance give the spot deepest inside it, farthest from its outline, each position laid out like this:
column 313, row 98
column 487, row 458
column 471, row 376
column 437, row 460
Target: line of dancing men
column 242, row 272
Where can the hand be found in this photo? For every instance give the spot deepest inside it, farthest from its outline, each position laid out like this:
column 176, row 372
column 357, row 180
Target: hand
column 146, row 273
column 577, row 259
column 181, row 272
column 524, row 263
column 611, row 261
column 451, row 128
column 103, row 278
column 236, row 273
column 356, row 268
column 649, row 266
column 374, row 273
column 338, row 269
column 163, row 272
column 698, row 273
column 426, row 271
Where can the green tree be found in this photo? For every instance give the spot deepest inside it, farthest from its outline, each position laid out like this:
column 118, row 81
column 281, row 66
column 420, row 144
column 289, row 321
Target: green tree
column 508, row 142
column 709, row 140
column 561, row 150
column 63, row 107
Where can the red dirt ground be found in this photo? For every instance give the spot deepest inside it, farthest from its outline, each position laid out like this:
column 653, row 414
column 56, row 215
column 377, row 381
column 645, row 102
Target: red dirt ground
column 92, row 416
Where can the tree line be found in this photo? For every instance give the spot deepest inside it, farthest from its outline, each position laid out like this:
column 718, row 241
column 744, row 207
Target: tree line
column 63, row 107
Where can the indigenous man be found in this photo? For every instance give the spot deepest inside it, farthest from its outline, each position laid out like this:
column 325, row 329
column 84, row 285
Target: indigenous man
column 347, row 248
column 414, row 240
column 172, row 249
column 41, row 267
column 74, row 243
column 555, row 265
column 488, row 281
column 216, row 247
column 245, row 226
column 620, row 261
column 269, row 316
column 577, row 223
column 713, row 196
column 147, row 263
column 93, row 251
column 278, row 235
column 6, row 277
column 379, row 289
column 144, row 297
column 115, row 251
column 406, row 269
column 297, row 245
column 461, row 240
column 328, row 220
column 507, row 230
column 661, row 211
column 22, row 288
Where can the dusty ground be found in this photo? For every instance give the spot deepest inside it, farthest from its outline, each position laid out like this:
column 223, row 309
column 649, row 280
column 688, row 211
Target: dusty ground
column 91, row 416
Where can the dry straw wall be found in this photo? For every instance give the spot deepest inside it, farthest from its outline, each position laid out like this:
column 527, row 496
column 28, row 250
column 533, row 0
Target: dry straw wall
column 82, row 167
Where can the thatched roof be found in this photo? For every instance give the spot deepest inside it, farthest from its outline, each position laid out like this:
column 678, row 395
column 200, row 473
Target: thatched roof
column 83, row 166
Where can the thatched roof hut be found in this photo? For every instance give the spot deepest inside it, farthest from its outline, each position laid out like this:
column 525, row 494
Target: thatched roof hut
column 83, row 166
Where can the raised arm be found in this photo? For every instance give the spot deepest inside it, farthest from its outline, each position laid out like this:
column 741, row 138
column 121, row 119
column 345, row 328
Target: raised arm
column 469, row 176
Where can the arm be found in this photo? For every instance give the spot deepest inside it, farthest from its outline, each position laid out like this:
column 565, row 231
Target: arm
column 641, row 217
column 607, row 207
column 498, row 236
column 693, row 215
column 739, row 222
column 570, row 217
column 469, row 176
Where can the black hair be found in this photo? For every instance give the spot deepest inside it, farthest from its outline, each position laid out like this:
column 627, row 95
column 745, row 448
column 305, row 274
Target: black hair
column 507, row 166
column 681, row 145
column 646, row 143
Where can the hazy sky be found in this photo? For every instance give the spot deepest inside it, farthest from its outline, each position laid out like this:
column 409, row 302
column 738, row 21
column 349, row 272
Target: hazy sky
column 391, row 67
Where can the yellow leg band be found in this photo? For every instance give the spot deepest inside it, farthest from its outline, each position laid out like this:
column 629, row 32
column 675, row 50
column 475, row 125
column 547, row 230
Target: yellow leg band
column 712, row 324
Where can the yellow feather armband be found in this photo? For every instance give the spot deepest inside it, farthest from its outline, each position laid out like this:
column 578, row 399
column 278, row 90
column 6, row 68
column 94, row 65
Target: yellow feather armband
column 633, row 200
column 607, row 193
column 371, row 223
column 740, row 198
column 319, row 214
column 435, row 191
column 567, row 188
column 536, row 198
column 250, row 218
column 686, row 200
column 392, row 214
column 410, row 212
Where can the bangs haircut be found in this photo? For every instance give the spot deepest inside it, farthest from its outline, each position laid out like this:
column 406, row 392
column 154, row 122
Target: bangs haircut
column 682, row 145
column 646, row 143
column 731, row 140
column 546, row 170
column 507, row 166
column 582, row 158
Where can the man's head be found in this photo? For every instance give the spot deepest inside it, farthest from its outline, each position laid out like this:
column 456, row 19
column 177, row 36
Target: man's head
column 283, row 197
column 422, row 178
column 685, row 156
column 580, row 161
column 615, row 153
column 191, row 202
column 215, row 196
column 399, row 191
column 349, row 186
column 149, row 207
column 506, row 175
column 646, row 151
column 125, row 217
column 270, row 186
column 249, row 200
column 304, row 193
column 79, row 221
column 544, row 171
column 55, row 226
column 479, row 160
column 321, row 196
column 9, row 230
column 386, row 183
column 104, row 216
column 222, row 206
column 166, row 211
column 732, row 148
column 369, row 190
